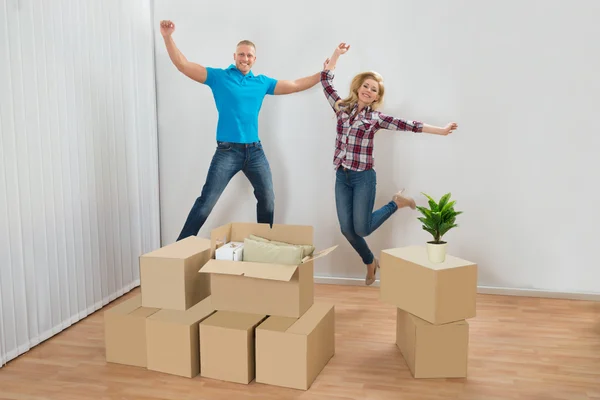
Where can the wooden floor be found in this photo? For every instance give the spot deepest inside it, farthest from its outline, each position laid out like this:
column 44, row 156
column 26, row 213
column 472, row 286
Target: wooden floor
column 520, row 348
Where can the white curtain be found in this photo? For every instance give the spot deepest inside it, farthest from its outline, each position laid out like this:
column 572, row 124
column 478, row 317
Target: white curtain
column 78, row 161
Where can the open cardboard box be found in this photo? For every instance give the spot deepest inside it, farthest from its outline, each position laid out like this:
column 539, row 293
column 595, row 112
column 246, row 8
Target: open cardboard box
column 262, row 288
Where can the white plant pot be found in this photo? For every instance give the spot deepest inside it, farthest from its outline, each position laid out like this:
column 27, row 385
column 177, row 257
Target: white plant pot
column 436, row 252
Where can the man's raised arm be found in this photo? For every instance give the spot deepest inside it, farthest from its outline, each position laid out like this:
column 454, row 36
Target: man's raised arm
column 298, row 85
column 192, row 70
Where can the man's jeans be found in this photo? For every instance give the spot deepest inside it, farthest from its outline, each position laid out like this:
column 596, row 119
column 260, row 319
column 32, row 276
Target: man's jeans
column 228, row 160
column 354, row 199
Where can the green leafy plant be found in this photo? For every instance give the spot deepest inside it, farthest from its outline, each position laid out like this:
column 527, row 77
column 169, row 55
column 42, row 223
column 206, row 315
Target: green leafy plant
column 439, row 218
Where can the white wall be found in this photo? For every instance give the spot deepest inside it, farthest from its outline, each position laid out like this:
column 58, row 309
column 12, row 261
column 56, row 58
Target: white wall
column 520, row 78
column 78, row 161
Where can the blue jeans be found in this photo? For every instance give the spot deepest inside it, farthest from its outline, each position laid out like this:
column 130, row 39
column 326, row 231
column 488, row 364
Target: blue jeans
column 228, row 160
column 354, row 200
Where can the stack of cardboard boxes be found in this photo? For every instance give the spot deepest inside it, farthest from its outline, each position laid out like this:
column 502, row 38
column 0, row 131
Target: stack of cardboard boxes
column 267, row 326
column 433, row 302
column 158, row 329
column 226, row 319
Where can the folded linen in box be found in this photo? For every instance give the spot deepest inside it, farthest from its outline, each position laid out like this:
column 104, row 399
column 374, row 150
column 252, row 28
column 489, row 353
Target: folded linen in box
column 258, row 249
column 308, row 249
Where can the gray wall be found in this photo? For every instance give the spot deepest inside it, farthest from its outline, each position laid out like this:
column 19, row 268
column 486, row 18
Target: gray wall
column 520, row 78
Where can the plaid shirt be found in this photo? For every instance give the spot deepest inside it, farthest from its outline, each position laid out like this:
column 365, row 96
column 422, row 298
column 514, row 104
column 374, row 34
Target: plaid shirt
column 354, row 141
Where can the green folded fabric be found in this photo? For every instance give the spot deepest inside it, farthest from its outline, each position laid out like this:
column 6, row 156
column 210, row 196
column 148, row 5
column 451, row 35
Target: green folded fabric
column 267, row 252
column 307, row 249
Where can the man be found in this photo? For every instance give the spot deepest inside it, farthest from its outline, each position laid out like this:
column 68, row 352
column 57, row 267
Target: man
column 238, row 95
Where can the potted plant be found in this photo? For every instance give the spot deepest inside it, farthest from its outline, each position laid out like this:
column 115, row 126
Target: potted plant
column 438, row 219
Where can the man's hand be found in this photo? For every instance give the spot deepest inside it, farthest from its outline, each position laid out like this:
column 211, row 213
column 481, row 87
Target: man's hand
column 167, row 28
column 192, row 70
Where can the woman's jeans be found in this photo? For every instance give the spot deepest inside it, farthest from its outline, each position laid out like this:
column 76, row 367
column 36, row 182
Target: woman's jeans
column 354, row 199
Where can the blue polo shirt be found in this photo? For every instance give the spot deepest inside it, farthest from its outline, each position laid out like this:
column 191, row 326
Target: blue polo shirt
column 238, row 98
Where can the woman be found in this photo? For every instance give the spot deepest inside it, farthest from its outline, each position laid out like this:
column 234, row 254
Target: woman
column 357, row 123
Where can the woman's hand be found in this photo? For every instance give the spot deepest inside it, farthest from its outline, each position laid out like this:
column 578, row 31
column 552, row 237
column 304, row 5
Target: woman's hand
column 448, row 129
column 342, row 48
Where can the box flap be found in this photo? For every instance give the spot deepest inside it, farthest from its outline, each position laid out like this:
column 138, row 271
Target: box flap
column 221, row 234
column 318, row 254
column 311, row 318
column 418, row 255
column 277, row 324
column 421, row 322
column 196, row 313
column 143, row 312
column 293, row 234
column 225, row 267
column 182, row 249
column 126, row 306
column 233, row 320
column 274, row 272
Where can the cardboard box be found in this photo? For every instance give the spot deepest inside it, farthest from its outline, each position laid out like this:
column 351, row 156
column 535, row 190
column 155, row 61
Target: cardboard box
column 169, row 276
column 233, row 251
column 227, row 346
column 172, row 338
column 437, row 293
column 263, row 288
column 125, row 332
column 433, row 351
column 292, row 352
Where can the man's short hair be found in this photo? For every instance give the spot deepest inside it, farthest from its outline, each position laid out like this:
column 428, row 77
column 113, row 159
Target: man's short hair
column 247, row 42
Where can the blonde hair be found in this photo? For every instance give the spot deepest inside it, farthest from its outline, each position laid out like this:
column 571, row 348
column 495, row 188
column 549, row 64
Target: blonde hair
column 247, row 43
column 350, row 101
